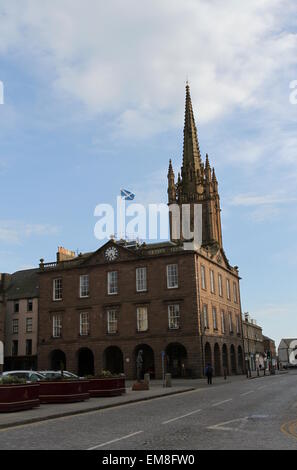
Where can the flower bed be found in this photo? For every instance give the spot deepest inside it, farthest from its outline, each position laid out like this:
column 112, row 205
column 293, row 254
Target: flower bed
column 63, row 391
column 106, row 386
column 18, row 396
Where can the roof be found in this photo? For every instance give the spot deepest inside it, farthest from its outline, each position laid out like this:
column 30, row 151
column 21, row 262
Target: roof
column 287, row 341
column 23, row 284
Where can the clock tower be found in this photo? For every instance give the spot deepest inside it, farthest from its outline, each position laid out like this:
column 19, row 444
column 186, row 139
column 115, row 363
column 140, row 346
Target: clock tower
column 196, row 184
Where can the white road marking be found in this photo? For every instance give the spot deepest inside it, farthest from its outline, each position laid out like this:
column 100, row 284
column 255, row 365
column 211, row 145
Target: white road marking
column 246, row 393
column 180, row 417
column 115, row 440
column 261, row 388
column 222, row 427
column 221, row 402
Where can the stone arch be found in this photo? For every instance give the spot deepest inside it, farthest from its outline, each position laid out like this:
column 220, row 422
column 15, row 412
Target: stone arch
column 176, row 359
column 113, row 360
column 207, row 354
column 58, row 360
column 148, row 356
column 85, row 362
column 233, row 359
column 217, row 360
column 240, row 359
column 225, row 361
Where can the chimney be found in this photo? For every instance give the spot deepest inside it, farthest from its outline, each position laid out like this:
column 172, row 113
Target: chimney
column 246, row 316
column 64, row 255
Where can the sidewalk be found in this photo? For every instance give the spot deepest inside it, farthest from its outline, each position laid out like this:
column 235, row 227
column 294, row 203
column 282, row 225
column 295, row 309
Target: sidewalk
column 53, row 411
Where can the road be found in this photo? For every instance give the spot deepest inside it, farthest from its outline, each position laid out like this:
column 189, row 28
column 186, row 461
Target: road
column 245, row 414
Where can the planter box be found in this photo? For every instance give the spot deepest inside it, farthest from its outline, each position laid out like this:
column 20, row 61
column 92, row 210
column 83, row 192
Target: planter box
column 63, row 391
column 18, row 397
column 107, row 387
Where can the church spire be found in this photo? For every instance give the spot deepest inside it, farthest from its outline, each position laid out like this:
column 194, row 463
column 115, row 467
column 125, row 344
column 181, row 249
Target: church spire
column 191, row 151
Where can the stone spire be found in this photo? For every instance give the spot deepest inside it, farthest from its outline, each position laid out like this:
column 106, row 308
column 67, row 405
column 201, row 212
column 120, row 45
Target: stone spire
column 171, row 184
column 191, row 151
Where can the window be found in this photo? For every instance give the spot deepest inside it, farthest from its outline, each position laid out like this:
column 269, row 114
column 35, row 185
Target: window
column 228, row 289
column 112, row 282
column 15, row 326
column 57, row 289
column 112, row 321
column 84, row 324
column 230, row 323
column 15, row 348
column 172, row 276
column 16, row 306
column 223, row 321
column 237, row 325
column 203, row 280
column 142, row 320
column 220, row 285
column 141, row 279
column 235, row 292
column 29, row 305
column 57, row 326
column 212, row 283
column 29, row 324
column 173, row 317
column 205, row 316
column 84, row 285
column 214, row 318
column 28, row 347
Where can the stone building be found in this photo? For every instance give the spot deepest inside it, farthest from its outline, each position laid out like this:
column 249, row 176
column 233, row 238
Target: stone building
column 21, row 320
column 270, row 350
column 172, row 299
column 253, row 343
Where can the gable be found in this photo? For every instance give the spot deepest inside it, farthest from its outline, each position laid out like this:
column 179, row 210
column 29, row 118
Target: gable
column 110, row 252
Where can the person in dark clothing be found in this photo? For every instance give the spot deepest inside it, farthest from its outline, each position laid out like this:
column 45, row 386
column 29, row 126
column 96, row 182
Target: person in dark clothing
column 208, row 373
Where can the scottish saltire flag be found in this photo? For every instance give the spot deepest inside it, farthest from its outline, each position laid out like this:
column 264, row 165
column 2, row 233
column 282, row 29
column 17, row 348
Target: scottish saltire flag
column 127, row 195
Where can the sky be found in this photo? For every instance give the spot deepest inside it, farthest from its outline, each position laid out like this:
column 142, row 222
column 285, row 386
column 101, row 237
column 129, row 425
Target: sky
column 94, row 101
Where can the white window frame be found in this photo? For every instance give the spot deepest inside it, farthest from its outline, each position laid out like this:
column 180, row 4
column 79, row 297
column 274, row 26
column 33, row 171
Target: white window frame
column 141, row 279
column 15, row 326
column 142, row 318
column 220, row 280
column 230, row 322
column 173, row 317
column 172, row 276
column 84, row 324
column 214, row 318
column 84, row 290
column 228, row 289
column 29, row 325
column 203, row 277
column 57, row 326
column 112, row 321
column 235, row 292
column 112, row 282
column 212, row 281
column 223, row 321
column 205, row 316
column 57, row 290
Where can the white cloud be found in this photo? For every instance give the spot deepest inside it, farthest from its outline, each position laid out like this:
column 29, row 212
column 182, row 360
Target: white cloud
column 259, row 200
column 14, row 232
column 128, row 59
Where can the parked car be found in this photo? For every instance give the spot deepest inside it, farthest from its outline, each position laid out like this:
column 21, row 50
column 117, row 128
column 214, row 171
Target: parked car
column 52, row 374
column 28, row 375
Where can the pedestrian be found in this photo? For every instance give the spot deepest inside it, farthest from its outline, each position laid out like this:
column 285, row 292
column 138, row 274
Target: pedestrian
column 208, row 373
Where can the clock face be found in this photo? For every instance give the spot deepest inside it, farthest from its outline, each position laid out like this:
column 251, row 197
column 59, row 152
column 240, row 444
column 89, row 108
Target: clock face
column 111, row 253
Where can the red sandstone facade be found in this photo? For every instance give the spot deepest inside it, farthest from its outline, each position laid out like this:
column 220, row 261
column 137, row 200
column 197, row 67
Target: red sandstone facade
column 188, row 312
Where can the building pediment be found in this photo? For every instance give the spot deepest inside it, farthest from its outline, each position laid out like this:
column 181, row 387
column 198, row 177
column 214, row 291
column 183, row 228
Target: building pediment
column 110, row 252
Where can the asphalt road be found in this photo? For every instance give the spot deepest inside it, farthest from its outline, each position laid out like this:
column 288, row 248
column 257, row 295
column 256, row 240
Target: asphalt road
column 246, row 414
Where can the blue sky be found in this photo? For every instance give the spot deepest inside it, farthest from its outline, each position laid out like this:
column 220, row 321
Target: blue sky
column 94, row 101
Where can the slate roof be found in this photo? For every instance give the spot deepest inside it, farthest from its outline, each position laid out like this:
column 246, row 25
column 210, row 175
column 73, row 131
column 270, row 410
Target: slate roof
column 23, row 285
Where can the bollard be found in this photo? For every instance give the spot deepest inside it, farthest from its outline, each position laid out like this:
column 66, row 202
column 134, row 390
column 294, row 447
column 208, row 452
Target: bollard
column 168, row 382
column 147, row 379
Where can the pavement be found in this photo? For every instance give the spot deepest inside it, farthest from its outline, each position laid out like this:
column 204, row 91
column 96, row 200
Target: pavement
column 230, row 414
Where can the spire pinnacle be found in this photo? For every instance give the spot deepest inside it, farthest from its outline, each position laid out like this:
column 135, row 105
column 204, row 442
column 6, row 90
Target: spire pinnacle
column 191, row 151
